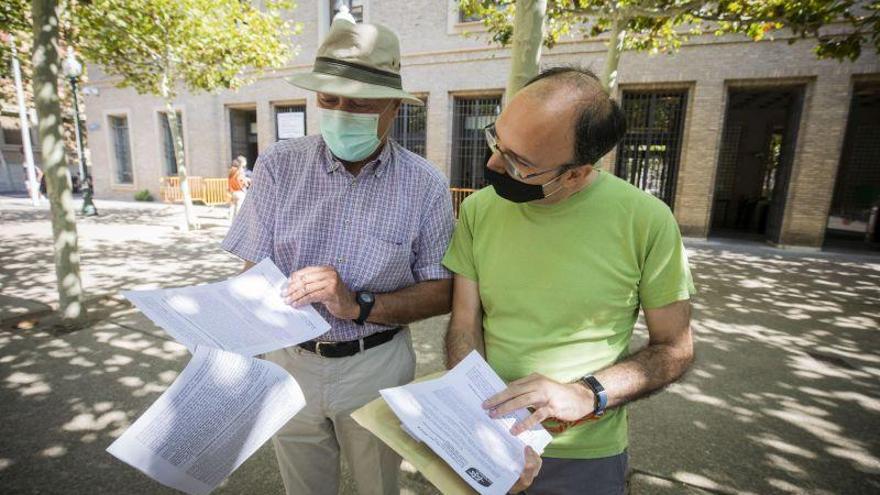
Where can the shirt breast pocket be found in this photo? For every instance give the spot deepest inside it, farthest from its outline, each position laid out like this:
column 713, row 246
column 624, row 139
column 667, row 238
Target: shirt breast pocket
column 387, row 259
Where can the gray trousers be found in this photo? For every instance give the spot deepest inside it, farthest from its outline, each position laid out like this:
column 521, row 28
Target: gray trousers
column 605, row 476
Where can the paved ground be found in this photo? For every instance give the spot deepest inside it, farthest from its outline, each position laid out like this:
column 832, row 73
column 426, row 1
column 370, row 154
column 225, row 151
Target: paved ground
column 784, row 396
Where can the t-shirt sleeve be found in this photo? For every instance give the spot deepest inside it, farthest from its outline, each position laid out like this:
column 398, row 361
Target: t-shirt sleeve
column 460, row 255
column 251, row 235
column 434, row 234
column 666, row 275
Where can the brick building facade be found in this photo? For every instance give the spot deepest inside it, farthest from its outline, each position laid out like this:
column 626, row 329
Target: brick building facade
column 750, row 139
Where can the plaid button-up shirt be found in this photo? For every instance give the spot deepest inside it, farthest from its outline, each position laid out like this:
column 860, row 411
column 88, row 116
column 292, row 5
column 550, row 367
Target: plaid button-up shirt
column 383, row 230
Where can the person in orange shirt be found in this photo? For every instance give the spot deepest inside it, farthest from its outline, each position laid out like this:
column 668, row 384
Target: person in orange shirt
column 238, row 184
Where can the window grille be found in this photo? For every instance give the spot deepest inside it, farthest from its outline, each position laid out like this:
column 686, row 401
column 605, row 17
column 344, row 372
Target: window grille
column 649, row 154
column 469, row 149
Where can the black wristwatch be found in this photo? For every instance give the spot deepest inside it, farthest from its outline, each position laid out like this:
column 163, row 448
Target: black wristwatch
column 365, row 300
column 600, row 399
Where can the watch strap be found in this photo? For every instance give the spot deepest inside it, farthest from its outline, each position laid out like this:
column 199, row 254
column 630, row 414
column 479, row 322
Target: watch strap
column 366, row 307
column 600, row 395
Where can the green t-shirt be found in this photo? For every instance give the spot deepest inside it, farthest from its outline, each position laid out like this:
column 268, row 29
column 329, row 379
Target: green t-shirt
column 561, row 286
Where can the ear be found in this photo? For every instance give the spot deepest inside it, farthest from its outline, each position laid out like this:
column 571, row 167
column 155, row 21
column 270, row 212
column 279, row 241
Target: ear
column 578, row 174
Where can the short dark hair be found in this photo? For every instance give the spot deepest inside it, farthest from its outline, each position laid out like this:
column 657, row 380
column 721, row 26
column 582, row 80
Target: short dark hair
column 600, row 123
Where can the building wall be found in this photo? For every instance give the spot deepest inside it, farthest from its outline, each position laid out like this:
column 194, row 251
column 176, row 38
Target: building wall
column 12, row 174
column 440, row 62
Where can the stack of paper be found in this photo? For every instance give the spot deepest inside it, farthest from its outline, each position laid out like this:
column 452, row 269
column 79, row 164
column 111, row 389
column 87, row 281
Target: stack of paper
column 226, row 403
column 446, row 415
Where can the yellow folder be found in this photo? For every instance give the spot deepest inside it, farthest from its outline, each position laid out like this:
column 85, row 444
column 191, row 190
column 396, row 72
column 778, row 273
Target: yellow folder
column 381, row 421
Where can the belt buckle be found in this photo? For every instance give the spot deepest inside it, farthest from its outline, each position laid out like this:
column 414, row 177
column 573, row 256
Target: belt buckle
column 318, row 347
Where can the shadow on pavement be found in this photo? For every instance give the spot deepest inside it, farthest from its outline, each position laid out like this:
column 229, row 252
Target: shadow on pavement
column 784, row 396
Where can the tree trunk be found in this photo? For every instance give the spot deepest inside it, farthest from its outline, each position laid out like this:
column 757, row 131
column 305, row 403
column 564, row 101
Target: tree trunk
column 528, row 36
column 46, row 14
column 191, row 220
column 612, row 58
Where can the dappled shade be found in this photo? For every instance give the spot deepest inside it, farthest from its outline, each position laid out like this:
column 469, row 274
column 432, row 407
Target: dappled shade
column 783, row 397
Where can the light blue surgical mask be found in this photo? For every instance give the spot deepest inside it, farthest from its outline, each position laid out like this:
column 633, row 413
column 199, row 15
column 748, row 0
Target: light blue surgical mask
column 351, row 136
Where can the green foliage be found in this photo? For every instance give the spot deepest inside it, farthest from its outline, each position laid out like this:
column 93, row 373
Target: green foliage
column 207, row 45
column 143, row 195
column 15, row 15
column 840, row 27
column 15, row 19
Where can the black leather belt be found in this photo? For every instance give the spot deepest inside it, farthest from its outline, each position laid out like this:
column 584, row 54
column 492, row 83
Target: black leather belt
column 351, row 347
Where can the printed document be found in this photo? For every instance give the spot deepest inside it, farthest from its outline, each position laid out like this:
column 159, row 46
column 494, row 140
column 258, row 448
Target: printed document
column 446, row 414
column 218, row 412
column 245, row 314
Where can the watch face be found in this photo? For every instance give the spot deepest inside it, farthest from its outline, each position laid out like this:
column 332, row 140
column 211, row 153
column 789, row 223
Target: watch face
column 366, row 297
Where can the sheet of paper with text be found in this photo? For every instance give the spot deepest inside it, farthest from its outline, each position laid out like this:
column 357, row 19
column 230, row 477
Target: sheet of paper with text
column 215, row 415
column 446, row 415
column 245, row 314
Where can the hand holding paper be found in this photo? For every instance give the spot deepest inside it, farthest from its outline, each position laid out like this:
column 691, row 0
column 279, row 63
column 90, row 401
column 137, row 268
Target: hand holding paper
column 530, row 471
column 225, row 403
column 245, row 314
column 447, row 415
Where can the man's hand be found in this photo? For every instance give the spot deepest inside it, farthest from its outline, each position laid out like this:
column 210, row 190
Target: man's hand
column 322, row 284
column 533, row 465
column 547, row 398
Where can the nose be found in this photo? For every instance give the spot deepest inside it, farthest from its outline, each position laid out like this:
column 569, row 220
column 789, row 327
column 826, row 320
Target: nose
column 496, row 163
column 342, row 103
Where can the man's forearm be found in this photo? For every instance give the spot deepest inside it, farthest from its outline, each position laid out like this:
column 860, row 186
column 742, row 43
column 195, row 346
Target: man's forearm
column 461, row 340
column 465, row 332
column 413, row 303
column 646, row 371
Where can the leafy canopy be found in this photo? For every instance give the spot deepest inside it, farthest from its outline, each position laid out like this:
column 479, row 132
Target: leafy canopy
column 207, row 44
column 841, row 27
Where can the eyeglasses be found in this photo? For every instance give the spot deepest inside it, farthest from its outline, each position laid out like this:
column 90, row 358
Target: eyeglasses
column 513, row 163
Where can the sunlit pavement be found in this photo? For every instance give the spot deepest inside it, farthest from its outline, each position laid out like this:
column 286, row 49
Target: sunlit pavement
column 784, row 396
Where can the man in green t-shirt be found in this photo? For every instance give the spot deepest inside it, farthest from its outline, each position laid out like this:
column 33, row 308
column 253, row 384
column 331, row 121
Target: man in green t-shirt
column 551, row 266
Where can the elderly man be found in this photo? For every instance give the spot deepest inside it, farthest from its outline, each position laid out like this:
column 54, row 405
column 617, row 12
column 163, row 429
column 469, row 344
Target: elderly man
column 551, row 266
column 361, row 225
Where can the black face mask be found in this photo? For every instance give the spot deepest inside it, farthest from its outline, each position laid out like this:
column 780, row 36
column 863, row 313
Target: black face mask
column 513, row 190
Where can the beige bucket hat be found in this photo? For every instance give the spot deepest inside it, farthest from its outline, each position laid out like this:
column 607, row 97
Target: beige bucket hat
column 357, row 60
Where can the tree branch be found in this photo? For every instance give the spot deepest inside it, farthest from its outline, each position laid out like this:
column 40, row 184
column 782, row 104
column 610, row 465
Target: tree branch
column 634, row 11
column 151, row 65
column 590, row 11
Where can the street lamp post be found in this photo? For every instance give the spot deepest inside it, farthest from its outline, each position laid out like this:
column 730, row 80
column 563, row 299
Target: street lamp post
column 73, row 69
